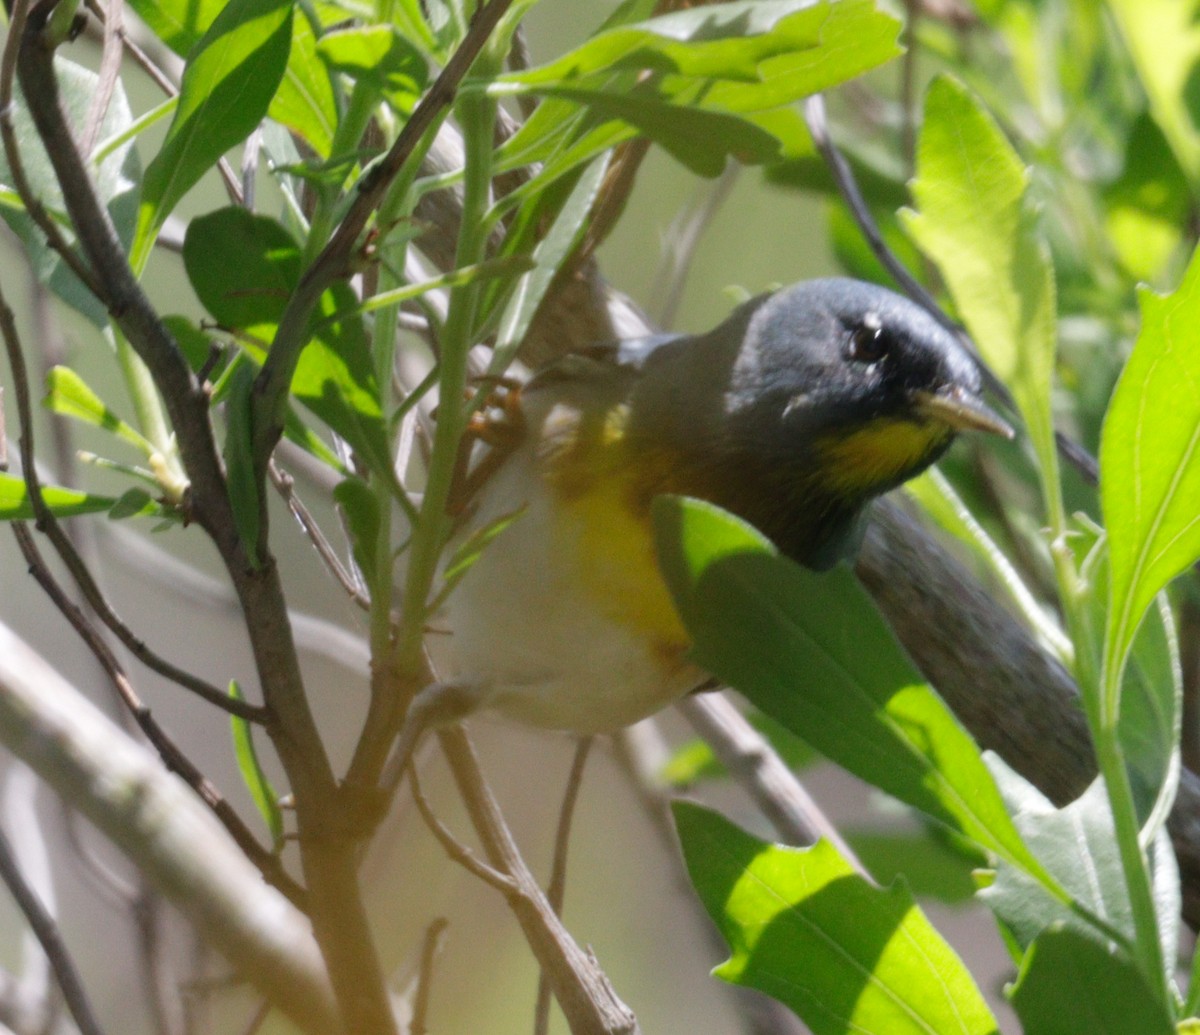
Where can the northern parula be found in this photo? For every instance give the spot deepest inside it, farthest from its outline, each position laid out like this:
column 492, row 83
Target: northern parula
column 793, row 413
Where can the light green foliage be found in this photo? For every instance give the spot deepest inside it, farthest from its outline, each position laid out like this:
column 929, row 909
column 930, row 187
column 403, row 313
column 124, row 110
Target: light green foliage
column 811, row 651
column 1150, row 461
column 972, row 221
column 253, row 775
column 806, row 929
column 230, row 79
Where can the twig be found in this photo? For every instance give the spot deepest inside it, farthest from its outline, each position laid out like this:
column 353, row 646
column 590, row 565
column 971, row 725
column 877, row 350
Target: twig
column 757, row 768
column 110, row 70
column 681, row 240
column 581, row 988
column 326, row 835
column 285, row 485
column 454, row 848
column 43, row 925
column 12, row 152
column 556, row 890
column 434, row 936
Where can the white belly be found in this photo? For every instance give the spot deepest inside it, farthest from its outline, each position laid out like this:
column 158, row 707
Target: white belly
column 533, row 639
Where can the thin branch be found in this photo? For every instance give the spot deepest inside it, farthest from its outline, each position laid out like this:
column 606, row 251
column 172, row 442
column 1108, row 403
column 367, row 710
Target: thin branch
column 110, row 70
column 285, row 485
column 556, row 891
column 65, row 548
column 43, row 925
column 454, row 848
column 583, row 991
column 755, row 766
column 681, row 240
column 434, row 936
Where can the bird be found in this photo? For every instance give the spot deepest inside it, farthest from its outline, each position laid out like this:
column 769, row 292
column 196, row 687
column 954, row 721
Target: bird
column 795, row 412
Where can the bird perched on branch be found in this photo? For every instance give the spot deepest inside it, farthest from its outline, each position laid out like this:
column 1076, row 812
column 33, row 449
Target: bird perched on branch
column 794, row 413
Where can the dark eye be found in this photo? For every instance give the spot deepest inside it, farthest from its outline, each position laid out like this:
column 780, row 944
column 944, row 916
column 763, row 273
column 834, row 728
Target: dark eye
column 868, row 343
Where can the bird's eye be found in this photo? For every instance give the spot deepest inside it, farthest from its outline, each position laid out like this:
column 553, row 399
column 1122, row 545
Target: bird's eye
column 868, row 343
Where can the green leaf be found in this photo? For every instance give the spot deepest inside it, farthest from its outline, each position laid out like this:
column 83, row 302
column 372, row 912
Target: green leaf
column 700, row 82
column 1163, row 37
column 1150, row 461
column 360, row 507
column 335, row 377
column 803, row 927
column 230, row 79
column 812, row 652
column 381, row 56
column 304, row 101
column 244, row 493
column 253, row 776
column 16, row 506
column 973, row 223
column 1147, row 205
column 115, row 179
column 1070, row 985
column 180, row 24
column 727, row 41
column 1078, row 845
column 69, row 395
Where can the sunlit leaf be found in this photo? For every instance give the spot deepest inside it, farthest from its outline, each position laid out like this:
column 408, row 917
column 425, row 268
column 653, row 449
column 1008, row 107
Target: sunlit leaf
column 812, row 652
column 15, row 504
column 68, row 394
column 231, row 76
column 1150, row 460
column 972, row 221
column 803, row 927
column 304, row 101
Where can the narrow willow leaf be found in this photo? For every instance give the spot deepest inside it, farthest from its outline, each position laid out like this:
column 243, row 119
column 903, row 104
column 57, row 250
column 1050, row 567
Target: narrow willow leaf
column 16, row 506
column 253, row 775
column 1070, row 985
column 1150, row 460
column 68, row 394
column 803, row 927
column 812, row 652
column 360, row 508
column 972, row 221
column 231, row 76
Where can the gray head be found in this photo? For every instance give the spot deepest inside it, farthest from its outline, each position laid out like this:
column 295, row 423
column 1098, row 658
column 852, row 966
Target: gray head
column 807, row 403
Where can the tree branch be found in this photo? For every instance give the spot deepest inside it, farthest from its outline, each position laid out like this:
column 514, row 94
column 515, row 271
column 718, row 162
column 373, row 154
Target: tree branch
column 156, row 821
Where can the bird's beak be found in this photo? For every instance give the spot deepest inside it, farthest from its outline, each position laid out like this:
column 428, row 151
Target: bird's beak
column 960, row 410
